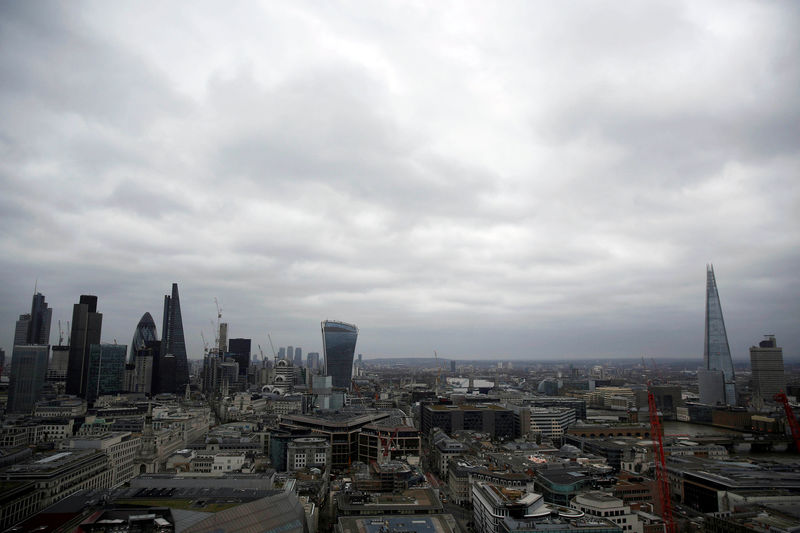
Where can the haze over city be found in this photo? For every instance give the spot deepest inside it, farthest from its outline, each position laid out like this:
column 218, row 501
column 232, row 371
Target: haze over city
column 523, row 180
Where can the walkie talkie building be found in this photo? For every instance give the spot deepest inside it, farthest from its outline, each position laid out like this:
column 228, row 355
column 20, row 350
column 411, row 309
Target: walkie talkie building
column 339, row 345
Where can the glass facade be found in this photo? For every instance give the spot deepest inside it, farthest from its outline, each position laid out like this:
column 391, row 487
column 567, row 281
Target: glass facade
column 339, row 345
column 716, row 351
column 28, row 372
column 145, row 332
column 106, row 370
column 173, row 341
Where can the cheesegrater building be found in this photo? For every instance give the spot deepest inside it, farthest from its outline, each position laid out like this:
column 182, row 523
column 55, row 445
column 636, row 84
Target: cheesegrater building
column 339, row 345
column 173, row 344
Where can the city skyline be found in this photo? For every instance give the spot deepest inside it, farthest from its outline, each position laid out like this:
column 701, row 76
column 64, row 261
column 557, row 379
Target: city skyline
column 515, row 181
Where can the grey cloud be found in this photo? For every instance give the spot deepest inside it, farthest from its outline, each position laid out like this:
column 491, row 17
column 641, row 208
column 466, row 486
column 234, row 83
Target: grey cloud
column 529, row 181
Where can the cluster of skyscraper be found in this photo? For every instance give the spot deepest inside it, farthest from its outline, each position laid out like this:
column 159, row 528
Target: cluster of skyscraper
column 89, row 367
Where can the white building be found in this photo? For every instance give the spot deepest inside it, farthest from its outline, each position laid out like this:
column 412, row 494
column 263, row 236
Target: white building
column 551, row 421
column 308, row 451
column 603, row 505
column 120, row 447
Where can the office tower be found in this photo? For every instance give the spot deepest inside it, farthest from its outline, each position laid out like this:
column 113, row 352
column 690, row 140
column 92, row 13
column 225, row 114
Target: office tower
column 766, row 361
column 86, row 326
column 239, row 350
column 21, row 330
column 223, row 337
column 28, row 373
column 2, row 358
column 338, row 345
column 312, row 360
column 716, row 351
column 144, row 361
column 281, row 353
column 59, row 362
column 41, row 316
column 106, row 370
column 453, row 367
column 173, row 343
column 145, row 332
column 290, row 353
column 298, row 357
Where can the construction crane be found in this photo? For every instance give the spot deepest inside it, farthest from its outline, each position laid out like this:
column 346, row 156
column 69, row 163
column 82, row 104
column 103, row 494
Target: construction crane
column 60, row 334
column 793, row 425
column 205, row 344
column 272, row 346
column 662, row 480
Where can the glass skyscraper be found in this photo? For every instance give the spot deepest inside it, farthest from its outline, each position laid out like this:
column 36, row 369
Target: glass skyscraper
column 173, row 343
column 716, row 351
column 339, row 345
column 87, row 324
column 145, row 332
column 28, row 372
column 106, row 370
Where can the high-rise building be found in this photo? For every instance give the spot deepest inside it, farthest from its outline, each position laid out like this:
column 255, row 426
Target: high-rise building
column 766, row 361
column 28, row 373
column 2, row 358
column 281, row 353
column 312, row 360
column 223, row 337
column 106, row 370
column 339, row 345
column 21, row 330
column 290, row 353
column 145, row 332
column 41, row 316
column 716, row 351
column 239, row 351
column 144, row 362
column 59, row 362
column 298, row 357
column 86, row 326
column 174, row 344
column 34, row 327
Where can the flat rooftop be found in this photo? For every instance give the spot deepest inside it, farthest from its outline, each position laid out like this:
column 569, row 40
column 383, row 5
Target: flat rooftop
column 444, row 523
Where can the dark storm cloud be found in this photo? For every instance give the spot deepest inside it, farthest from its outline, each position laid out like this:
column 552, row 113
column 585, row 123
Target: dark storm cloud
column 529, row 180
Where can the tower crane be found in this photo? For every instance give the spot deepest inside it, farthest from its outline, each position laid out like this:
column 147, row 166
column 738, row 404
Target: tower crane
column 274, row 355
column 205, row 344
column 660, row 463
column 792, row 421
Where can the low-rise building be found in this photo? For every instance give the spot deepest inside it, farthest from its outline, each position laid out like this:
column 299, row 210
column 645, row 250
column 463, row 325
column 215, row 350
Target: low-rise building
column 604, row 505
column 121, row 449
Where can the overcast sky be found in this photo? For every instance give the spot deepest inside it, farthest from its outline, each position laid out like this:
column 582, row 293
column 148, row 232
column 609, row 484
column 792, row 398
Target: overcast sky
column 489, row 179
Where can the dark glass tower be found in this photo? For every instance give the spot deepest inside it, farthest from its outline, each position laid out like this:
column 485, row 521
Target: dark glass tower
column 239, row 351
column 339, row 345
column 34, row 328
column 145, row 332
column 106, row 370
column 28, row 372
column 86, row 326
column 41, row 315
column 716, row 351
column 173, row 343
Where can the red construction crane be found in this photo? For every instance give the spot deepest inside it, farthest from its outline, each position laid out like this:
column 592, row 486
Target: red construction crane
column 793, row 425
column 662, row 479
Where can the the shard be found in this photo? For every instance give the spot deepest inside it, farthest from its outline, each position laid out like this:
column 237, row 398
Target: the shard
column 716, row 351
column 173, row 342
